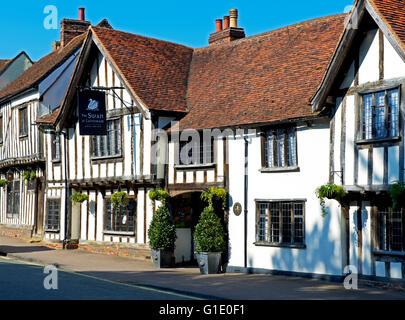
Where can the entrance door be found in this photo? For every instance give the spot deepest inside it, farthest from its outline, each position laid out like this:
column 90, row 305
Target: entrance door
column 39, row 208
column 186, row 209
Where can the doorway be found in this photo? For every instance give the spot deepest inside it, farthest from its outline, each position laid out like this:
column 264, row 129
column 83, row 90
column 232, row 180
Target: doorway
column 186, row 209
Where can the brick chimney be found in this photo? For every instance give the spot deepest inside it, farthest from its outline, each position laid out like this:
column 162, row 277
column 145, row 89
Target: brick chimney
column 70, row 28
column 230, row 29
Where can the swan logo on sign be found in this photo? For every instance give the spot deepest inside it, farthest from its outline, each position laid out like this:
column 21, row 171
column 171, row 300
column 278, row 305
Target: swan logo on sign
column 93, row 105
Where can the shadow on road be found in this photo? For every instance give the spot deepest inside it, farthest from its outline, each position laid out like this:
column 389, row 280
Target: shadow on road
column 4, row 250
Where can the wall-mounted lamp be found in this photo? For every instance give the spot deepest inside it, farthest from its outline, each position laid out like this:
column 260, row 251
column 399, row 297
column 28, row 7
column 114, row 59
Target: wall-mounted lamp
column 10, row 175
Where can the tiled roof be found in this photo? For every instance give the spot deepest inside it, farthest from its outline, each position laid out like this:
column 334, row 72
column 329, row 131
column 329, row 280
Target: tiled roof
column 3, row 64
column 41, row 69
column 49, row 118
column 155, row 70
column 392, row 13
column 261, row 79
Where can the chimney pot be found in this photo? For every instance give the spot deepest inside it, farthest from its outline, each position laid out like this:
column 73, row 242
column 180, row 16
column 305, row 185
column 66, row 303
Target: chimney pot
column 218, row 25
column 226, row 22
column 233, row 17
column 81, row 14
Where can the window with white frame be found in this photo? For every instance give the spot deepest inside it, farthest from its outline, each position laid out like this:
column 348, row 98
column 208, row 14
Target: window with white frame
column 280, row 223
column 380, row 117
column 110, row 144
column 280, row 148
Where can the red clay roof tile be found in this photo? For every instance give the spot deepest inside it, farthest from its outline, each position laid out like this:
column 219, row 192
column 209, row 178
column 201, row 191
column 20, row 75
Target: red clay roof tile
column 265, row 78
column 156, row 70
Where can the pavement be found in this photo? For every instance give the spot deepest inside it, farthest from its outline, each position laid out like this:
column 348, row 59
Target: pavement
column 188, row 280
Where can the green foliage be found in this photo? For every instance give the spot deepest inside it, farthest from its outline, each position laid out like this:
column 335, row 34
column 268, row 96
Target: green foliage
column 29, row 176
column 209, row 234
column 79, row 197
column 329, row 191
column 162, row 232
column 119, row 200
column 159, row 195
column 397, row 194
column 214, row 193
column 3, row 183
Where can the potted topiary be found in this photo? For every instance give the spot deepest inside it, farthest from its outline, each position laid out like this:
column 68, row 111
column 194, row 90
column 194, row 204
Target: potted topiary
column 162, row 232
column 209, row 234
column 329, row 191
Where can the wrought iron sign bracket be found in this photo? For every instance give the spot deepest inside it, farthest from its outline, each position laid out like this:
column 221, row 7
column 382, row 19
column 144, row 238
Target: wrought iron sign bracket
column 130, row 108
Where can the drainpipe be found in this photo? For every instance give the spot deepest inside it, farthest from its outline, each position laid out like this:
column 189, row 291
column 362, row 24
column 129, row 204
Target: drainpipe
column 246, row 199
column 65, row 136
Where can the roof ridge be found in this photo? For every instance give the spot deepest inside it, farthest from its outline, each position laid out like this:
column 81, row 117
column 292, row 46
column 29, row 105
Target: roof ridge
column 278, row 30
column 142, row 36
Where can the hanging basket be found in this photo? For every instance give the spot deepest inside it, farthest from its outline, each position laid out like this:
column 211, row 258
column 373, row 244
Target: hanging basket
column 79, row 198
column 3, row 183
column 119, row 200
column 331, row 192
column 29, row 176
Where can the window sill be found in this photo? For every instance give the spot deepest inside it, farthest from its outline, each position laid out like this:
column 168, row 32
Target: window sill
column 23, row 136
column 194, row 166
column 389, row 253
column 281, row 169
column 380, row 140
column 106, row 158
column 56, row 161
column 118, row 233
column 52, row 230
column 280, row 245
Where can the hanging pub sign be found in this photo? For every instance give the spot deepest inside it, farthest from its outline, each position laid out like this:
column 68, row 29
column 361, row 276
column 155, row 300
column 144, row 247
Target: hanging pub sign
column 92, row 113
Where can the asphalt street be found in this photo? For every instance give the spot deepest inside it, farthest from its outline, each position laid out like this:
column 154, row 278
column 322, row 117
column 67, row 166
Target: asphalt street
column 27, row 281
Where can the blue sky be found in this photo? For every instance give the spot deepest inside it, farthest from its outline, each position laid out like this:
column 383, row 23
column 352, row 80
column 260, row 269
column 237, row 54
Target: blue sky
column 185, row 22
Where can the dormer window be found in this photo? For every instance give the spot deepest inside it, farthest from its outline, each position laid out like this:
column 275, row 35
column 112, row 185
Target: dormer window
column 380, row 114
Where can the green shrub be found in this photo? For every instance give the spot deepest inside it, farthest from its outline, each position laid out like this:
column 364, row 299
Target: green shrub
column 162, row 232
column 329, row 191
column 209, row 234
column 397, row 194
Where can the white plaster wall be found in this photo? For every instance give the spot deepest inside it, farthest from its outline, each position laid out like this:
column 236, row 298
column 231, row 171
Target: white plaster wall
column 337, row 139
column 394, row 66
column 323, row 254
column 140, row 216
column 378, row 166
column 350, row 140
column 369, row 58
column 393, row 168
